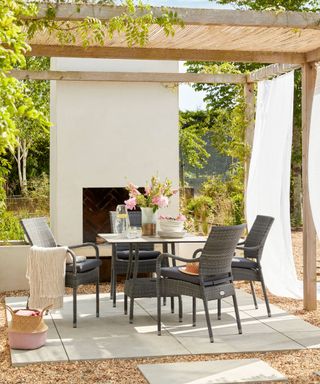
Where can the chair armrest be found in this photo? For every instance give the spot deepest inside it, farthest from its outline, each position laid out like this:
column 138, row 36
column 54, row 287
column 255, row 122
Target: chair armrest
column 83, row 245
column 74, row 261
column 255, row 248
column 169, row 256
column 196, row 252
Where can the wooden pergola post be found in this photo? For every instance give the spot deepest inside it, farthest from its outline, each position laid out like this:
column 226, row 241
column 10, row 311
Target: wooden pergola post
column 309, row 233
column 249, row 97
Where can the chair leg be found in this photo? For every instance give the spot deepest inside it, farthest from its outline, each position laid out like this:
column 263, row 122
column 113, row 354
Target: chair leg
column 111, row 285
column 125, row 304
column 75, row 307
column 114, row 290
column 180, row 308
column 97, row 298
column 194, row 311
column 131, row 310
column 164, row 301
column 206, row 310
column 254, row 295
column 159, row 313
column 172, row 304
column 236, row 309
column 219, row 309
column 265, row 294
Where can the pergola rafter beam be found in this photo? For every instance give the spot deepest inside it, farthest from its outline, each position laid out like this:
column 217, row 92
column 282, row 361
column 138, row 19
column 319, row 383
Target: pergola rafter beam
column 165, row 54
column 144, row 77
column 191, row 16
column 270, row 71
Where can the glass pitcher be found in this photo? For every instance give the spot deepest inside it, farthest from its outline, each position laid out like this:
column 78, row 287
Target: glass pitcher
column 122, row 223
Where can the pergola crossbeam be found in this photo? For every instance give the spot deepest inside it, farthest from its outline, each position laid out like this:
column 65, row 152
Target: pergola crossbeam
column 270, row 71
column 189, row 16
column 144, row 77
column 165, row 54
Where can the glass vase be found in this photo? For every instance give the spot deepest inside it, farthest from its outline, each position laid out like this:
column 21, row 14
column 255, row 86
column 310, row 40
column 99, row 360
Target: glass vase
column 148, row 221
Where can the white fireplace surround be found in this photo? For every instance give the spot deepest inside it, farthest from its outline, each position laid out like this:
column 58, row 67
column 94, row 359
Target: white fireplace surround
column 107, row 134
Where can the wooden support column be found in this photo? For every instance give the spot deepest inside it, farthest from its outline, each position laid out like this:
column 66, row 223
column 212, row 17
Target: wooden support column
column 249, row 115
column 309, row 233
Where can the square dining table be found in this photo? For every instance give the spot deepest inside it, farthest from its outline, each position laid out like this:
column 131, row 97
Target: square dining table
column 133, row 282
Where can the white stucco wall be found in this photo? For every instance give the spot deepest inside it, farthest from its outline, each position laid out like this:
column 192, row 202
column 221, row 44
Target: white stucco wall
column 107, row 134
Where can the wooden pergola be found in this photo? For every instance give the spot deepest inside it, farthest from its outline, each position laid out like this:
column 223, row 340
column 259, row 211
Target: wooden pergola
column 285, row 40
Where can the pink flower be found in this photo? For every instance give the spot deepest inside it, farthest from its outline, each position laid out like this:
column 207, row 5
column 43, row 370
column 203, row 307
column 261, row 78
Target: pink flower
column 131, row 203
column 147, row 190
column 133, row 189
column 181, row 217
column 161, row 201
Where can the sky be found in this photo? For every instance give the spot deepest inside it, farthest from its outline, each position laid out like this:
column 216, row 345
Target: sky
column 188, row 98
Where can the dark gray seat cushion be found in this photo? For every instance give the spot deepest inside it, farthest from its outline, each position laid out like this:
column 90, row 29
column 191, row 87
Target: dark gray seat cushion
column 242, row 262
column 143, row 255
column 175, row 273
column 85, row 265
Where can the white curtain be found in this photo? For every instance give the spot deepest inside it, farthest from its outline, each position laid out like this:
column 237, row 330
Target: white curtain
column 269, row 181
column 314, row 156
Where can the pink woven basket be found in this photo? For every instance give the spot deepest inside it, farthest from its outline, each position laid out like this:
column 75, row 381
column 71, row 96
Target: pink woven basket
column 24, row 340
column 27, row 329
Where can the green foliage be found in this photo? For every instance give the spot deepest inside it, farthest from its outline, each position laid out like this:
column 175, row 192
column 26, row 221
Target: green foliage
column 15, row 103
column 200, row 208
column 193, row 128
column 289, row 5
column 226, row 132
column 133, row 23
column 10, row 227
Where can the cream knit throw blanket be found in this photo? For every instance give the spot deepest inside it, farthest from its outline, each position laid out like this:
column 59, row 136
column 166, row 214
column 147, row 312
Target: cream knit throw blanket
column 46, row 268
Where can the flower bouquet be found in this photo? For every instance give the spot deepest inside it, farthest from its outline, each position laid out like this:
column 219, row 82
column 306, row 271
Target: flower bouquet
column 155, row 195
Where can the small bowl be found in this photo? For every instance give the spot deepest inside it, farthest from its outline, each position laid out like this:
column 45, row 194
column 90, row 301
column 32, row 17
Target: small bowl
column 171, row 225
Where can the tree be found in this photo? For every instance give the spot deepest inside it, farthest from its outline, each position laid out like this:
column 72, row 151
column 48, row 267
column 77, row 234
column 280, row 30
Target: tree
column 193, row 129
column 30, row 132
column 14, row 102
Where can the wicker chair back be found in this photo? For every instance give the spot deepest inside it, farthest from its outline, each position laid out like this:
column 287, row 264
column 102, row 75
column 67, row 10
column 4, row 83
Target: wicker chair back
column 38, row 232
column 257, row 236
column 218, row 251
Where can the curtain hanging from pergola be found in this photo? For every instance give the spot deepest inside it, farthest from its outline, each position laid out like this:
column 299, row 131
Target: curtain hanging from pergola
column 269, row 181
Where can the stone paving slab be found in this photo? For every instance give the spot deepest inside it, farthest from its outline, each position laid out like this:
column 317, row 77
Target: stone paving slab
column 212, row 372
column 111, row 335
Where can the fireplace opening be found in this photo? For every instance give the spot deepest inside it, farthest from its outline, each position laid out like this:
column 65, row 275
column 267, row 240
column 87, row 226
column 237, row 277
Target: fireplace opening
column 97, row 202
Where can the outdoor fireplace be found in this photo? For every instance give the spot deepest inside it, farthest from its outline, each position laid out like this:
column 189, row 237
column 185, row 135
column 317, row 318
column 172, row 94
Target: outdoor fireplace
column 97, row 203
column 106, row 134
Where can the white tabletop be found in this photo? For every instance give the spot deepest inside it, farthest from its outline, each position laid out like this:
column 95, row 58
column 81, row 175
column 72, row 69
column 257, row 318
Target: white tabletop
column 188, row 238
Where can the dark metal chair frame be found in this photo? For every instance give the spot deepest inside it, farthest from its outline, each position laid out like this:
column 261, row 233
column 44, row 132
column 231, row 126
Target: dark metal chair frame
column 215, row 277
column 120, row 265
column 252, row 247
column 39, row 233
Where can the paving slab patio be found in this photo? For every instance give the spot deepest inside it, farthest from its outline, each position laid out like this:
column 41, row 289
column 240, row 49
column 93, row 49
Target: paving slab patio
column 212, row 372
column 111, row 335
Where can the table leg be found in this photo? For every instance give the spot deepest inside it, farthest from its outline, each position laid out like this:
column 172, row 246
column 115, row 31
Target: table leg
column 113, row 284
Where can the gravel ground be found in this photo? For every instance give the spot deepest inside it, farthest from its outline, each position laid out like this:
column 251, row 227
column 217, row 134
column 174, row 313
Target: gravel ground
column 298, row 366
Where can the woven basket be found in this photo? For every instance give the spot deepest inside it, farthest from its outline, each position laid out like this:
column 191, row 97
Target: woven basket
column 27, row 324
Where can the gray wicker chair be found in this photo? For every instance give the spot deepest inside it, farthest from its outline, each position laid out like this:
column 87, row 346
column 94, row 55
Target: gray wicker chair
column 38, row 233
column 215, row 278
column 147, row 255
column 249, row 267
